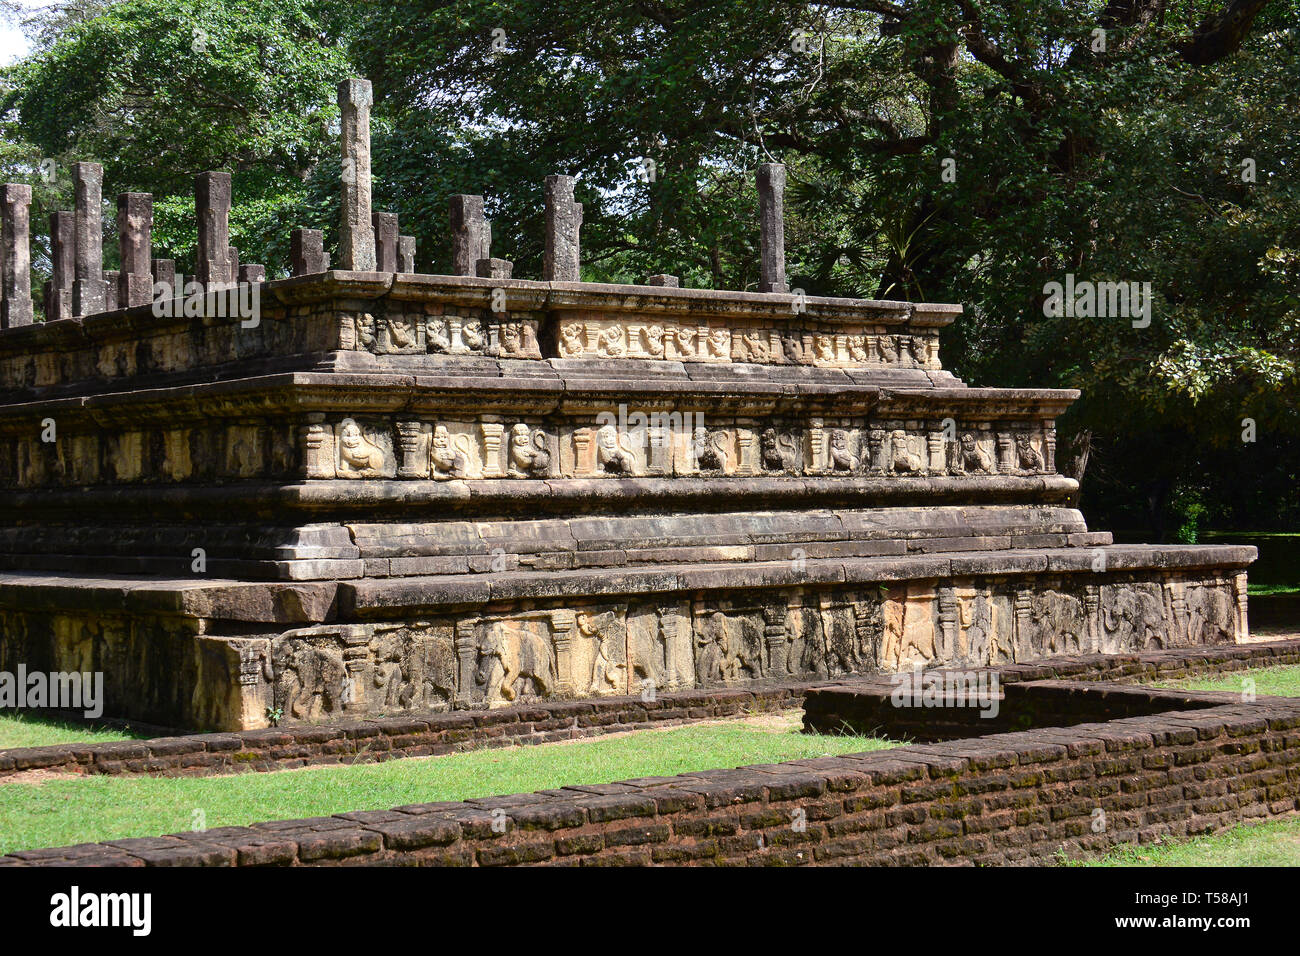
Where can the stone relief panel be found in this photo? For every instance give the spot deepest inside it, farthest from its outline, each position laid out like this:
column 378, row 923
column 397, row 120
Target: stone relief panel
column 447, row 332
column 641, row 444
column 721, row 340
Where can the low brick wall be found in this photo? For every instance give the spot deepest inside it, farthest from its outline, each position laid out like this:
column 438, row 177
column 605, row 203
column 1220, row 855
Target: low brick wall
column 419, row 735
column 870, row 708
column 1008, row 798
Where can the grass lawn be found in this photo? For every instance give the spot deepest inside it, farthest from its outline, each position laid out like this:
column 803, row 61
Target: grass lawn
column 1273, row 681
column 63, row 810
column 1276, row 843
column 32, row 730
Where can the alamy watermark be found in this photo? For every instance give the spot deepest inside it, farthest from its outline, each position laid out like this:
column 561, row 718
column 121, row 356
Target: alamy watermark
column 947, row 688
column 1085, row 299
column 56, row 690
column 194, row 300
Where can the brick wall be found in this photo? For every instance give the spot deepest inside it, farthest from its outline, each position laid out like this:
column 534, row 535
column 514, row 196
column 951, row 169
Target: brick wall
column 1008, row 798
column 418, row 735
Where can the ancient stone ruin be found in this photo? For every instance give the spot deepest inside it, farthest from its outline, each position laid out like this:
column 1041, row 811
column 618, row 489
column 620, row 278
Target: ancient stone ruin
column 364, row 490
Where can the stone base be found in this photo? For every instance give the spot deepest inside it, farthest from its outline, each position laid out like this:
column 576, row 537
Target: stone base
column 232, row 655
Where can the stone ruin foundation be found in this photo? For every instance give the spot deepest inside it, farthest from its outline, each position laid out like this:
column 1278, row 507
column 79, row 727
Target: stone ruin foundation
column 390, row 491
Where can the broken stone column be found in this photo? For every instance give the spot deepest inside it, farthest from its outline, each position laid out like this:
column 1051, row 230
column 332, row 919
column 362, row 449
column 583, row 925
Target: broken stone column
column 307, row 252
column 15, row 256
column 135, row 240
column 560, row 258
column 212, row 208
column 58, row 295
column 232, row 260
column 252, row 273
column 385, row 228
column 470, row 237
column 494, row 268
column 111, row 277
column 89, row 293
column 164, row 271
column 771, row 220
column 662, row 280
column 406, row 254
column 356, row 237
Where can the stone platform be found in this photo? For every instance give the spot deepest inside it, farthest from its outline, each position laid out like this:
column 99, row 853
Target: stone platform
column 410, row 493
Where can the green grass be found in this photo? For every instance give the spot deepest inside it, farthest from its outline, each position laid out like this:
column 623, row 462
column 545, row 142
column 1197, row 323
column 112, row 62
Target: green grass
column 1271, row 681
column 31, row 730
column 1264, row 590
column 59, row 812
column 1276, row 843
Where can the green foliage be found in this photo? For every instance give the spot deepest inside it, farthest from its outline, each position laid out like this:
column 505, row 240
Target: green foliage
column 942, row 150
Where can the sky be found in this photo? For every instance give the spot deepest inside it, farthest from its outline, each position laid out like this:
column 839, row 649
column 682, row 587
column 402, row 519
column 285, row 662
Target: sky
column 12, row 42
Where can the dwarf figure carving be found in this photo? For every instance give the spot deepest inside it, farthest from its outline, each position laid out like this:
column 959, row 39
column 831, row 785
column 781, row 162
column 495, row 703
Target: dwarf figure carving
column 357, row 455
column 904, row 461
column 528, row 455
column 1028, row 456
column 888, row 350
column 841, row 458
column 652, row 337
column 971, row 458
column 573, row 340
column 399, row 332
column 611, row 456
column 710, row 453
column 435, row 331
column 471, row 333
column 366, row 331
column 610, row 341
column 448, row 459
column 779, row 452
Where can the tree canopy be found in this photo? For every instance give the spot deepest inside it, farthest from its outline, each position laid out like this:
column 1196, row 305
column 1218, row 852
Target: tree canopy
column 943, row 150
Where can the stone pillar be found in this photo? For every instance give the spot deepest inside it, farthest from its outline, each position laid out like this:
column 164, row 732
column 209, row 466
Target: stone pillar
column 562, row 625
column 1243, row 621
column 1006, row 453
column 253, row 272
column 660, row 458
column 774, row 634
column 816, row 446
column 771, row 224
column 15, row 256
column 406, row 254
column 164, row 272
column 494, row 268
column 1049, row 446
column 307, row 252
column 135, row 240
column 408, row 443
column 948, row 629
column 560, row 259
column 89, row 294
column 212, row 209
column 385, row 228
column 747, row 441
column 1092, row 618
column 663, row 281
column 111, row 279
column 876, row 444
column 63, row 246
column 470, row 240
column 232, row 263
column 317, row 459
column 356, row 237
column 492, row 464
column 934, row 445
column 466, row 648
column 584, row 451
